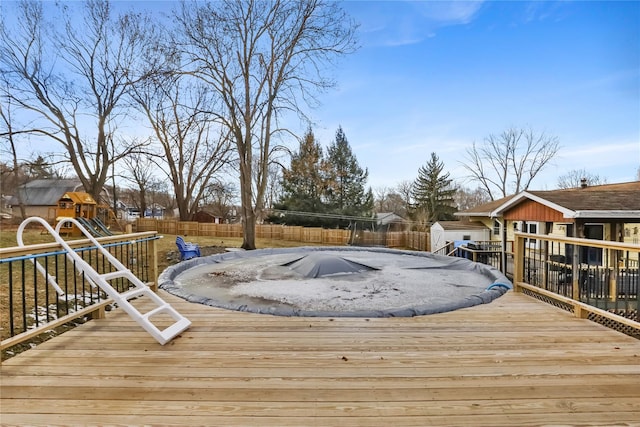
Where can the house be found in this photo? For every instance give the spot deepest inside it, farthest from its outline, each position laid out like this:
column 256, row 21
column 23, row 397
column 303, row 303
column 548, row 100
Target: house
column 206, row 217
column 40, row 196
column 154, row 211
column 389, row 221
column 5, row 207
column 604, row 212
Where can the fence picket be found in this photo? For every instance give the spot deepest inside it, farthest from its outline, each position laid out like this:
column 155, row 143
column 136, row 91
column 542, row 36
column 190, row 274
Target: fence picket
column 416, row 240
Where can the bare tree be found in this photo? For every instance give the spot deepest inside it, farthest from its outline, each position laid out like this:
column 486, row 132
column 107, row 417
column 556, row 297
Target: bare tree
column 507, row 163
column 8, row 134
column 380, row 195
column 467, row 198
column 262, row 58
column 577, row 177
column 274, row 184
column 218, row 199
column 194, row 147
column 71, row 76
column 389, row 200
column 139, row 170
column 405, row 190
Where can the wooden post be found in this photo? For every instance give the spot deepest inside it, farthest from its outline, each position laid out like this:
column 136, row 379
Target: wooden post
column 545, row 256
column 98, row 313
column 617, row 235
column 575, row 264
column 518, row 258
column 153, row 256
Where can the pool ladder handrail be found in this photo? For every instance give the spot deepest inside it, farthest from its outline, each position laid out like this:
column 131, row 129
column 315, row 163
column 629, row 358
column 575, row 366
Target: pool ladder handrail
column 140, row 289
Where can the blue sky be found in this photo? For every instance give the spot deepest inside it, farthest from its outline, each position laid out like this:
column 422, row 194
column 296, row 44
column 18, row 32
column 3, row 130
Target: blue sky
column 437, row 76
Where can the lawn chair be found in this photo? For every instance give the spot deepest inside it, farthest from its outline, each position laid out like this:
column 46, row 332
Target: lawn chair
column 187, row 250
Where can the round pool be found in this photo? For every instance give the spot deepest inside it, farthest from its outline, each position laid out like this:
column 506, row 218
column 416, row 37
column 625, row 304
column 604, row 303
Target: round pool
column 335, row 282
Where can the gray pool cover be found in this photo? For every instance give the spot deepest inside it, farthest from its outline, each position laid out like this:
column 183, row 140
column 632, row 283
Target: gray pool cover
column 335, row 282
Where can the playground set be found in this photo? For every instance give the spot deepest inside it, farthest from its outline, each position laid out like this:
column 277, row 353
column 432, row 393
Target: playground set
column 84, row 209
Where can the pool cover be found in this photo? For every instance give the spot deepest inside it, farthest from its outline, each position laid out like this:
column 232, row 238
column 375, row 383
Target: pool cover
column 335, row 282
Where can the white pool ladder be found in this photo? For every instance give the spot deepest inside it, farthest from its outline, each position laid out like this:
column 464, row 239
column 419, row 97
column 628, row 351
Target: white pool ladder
column 140, row 289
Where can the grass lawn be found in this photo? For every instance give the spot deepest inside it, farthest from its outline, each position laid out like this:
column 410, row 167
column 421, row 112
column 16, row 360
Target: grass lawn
column 167, row 245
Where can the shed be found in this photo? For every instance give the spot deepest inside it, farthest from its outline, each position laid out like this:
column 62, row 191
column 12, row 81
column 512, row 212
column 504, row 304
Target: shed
column 206, row 217
column 443, row 232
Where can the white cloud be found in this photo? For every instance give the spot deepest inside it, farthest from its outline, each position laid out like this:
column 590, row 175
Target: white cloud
column 405, row 23
column 602, row 153
column 449, row 13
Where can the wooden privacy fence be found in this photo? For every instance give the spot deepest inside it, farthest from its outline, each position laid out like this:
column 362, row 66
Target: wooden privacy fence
column 401, row 239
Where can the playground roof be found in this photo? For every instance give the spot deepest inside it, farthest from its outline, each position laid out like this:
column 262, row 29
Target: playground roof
column 79, row 198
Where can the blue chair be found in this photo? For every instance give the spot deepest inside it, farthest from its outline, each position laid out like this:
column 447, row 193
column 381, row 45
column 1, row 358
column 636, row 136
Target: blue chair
column 187, row 250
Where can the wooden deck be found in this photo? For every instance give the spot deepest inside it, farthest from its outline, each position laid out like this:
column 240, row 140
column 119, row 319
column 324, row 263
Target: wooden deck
column 516, row 361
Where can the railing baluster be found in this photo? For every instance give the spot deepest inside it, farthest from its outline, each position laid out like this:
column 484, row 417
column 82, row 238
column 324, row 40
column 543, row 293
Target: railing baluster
column 11, row 308
column 30, row 300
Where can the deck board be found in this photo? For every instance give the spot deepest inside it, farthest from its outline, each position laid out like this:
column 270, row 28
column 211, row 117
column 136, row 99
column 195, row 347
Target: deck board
column 516, row 361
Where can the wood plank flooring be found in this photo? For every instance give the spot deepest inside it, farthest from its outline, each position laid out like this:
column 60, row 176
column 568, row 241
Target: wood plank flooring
column 515, row 362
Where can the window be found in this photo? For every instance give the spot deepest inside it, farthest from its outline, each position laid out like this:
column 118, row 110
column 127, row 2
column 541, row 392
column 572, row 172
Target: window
column 496, row 227
column 466, row 237
column 590, row 255
column 531, row 227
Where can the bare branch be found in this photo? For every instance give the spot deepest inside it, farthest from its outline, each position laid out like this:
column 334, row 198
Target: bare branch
column 72, row 75
column 262, row 58
column 508, row 163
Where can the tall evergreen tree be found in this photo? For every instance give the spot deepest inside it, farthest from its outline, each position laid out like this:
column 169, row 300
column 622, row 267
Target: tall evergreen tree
column 346, row 193
column 433, row 191
column 304, row 184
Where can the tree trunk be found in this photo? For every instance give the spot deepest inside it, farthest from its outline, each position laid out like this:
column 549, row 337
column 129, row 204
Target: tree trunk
column 248, row 215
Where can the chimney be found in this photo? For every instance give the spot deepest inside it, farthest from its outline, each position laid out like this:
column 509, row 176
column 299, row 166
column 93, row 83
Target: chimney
column 583, row 183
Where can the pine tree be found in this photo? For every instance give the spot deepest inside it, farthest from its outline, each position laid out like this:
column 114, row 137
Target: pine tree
column 346, row 193
column 433, row 192
column 304, row 183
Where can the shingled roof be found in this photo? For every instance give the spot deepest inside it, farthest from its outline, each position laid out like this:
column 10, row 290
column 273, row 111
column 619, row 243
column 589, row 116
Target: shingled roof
column 461, row 225
column 46, row 192
column 613, row 197
column 485, row 209
column 609, row 200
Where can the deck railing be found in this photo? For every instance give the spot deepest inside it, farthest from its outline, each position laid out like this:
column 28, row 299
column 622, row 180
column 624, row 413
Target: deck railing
column 487, row 252
column 594, row 279
column 30, row 305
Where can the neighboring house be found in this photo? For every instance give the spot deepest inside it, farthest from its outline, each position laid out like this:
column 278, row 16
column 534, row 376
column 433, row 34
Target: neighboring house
column 6, row 211
column 604, row 212
column 40, row 196
column 445, row 232
column 389, row 221
column 127, row 212
column 206, row 217
column 154, row 211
